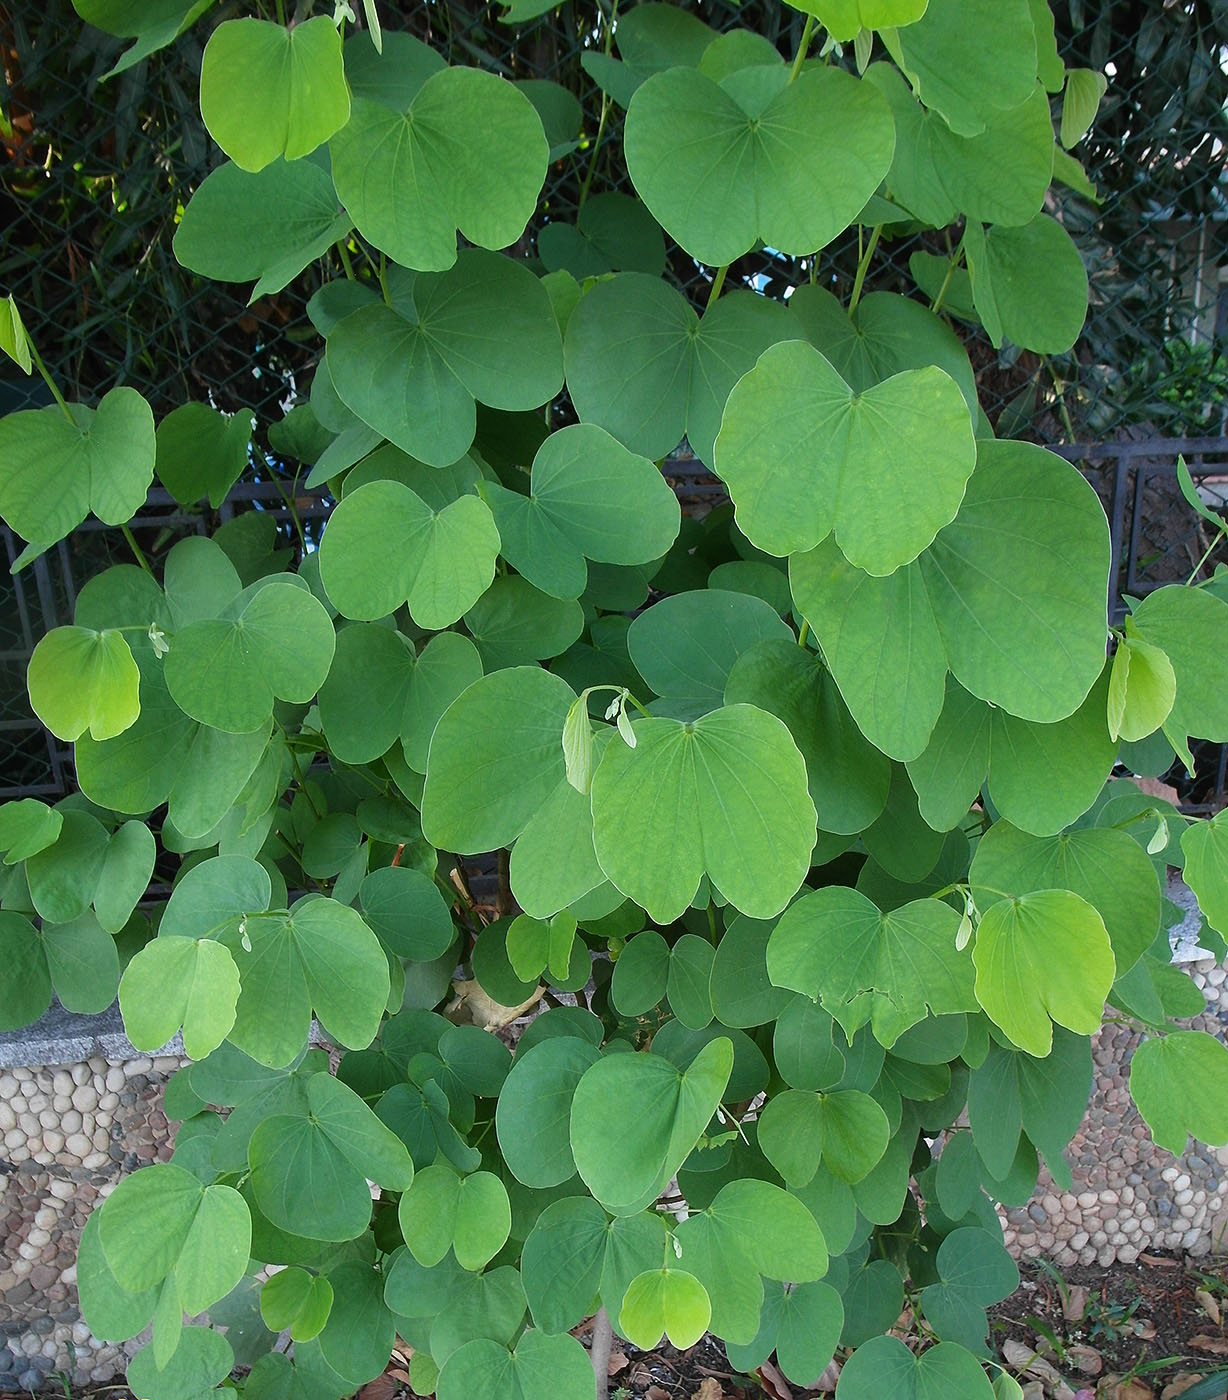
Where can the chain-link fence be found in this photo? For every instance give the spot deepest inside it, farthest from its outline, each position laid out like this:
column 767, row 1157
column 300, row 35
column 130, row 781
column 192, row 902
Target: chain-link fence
column 96, row 172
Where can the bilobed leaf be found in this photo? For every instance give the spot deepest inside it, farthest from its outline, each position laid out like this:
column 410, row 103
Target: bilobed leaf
column 268, row 91
column 164, row 1221
column 613, row 233
column 1104, row 866
column 665, row 1302
column 1205, row 847
column 443, row 1211
column 27, row 826
column 675, row 1109
column 469, row 153
column 885, row 1366
column 26, row 990
column 226, row 672
column 126, row 869
column 589, row 498
column 363, row 698
column 998, row 176
column 295, row 1300
column 885, row 639
column 884, row 469
column 1019, row 943
column 62, row 878
column 1080, row 103
column 1142, row 688
column 790, row 163
column 483, row 330
column 201, row 452
column 730, row 787
column 1180, row 1084
column 1029, row 283
column 969, row 59
column 686, row 646
column 641, row 364
column 321, row 956
column 540, row 1365
column 974, row 1271
column 889, row 969
column 13, row 338
column 447, row 665
column 80, row 679
column 844, row 18
column 54, row 471
column 1188, row 625
column 506, row 727
column 202, row 1359
column 845, row 1130
column 174, row 982
column 533, row 1117
column 513, row 623
column 266, row 225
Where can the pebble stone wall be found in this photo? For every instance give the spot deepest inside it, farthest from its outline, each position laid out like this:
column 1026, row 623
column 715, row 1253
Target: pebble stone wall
column 71, row 1131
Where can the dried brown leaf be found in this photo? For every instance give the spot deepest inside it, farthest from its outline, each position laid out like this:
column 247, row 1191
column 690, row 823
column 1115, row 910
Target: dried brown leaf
column 1119, row 1388
column 774, row 1384
column 709, row 1389
column 1179, row 1384
column 1074, row 1305
column 1217, row 1346
column 1208, row 1303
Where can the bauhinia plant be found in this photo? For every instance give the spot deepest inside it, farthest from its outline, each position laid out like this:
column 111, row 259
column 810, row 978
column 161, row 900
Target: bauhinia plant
column 818, row 792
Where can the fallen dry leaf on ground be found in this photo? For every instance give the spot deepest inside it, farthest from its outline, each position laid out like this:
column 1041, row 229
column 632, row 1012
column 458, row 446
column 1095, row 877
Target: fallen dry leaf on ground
column 774, row 1384
column 709, row 1389
column 1086, row 1359
column 1206, row 1301
column 1028, row 1360
column 1115, row 1388
column 1179, row 1384
column 1074, row 1304
column 1217, row 1346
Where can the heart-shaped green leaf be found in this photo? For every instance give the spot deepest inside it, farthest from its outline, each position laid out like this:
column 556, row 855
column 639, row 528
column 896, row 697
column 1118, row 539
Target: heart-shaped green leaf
column 1018, row 944
column 1142, row 688
column 441, row 561
column 885, row 1366
column 729, row 787
column 787, row 163
column 846, row 1130
column 508, row 728
column 1205, row 847
column 201, row 452
column 268, row 91
column 468, row 153
column 27, row 827
column 162, row 1220
column 1180, row 1084
column 1029, row 283
column 266, row 225
column 998, row 176
column 589, row 498
column 974, row 1271
column 226, row 672
column 803, row 454
column 1186, row 624
column 173, row 982
column 467, row 1214
column 675, row 1107
column 642, row 365
column 665, row 1302
column 298, row 1301
column 320, row 955
column 1104, row 866
column 845, row 18
column 890, row 969
column 540, row 1365
column 54, row 471
column 969, row 59
column 885, row 639
column 80, row 679
column 484, row 330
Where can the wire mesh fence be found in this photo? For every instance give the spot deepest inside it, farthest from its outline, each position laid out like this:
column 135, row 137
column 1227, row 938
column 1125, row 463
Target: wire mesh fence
column 96, row 172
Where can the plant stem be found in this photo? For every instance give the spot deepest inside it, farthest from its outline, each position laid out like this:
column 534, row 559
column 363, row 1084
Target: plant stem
column 603, row 1335
column 1197, row 567
column 136, row 550
column 712, row 937
column 345, row 258
column 50, row 383
column 803, row 45
column 863, row 267
column 803, row 633
column 717, row 283
column 383, row 281
column 1060, row 390
column 302, row 783
column 605, row 113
